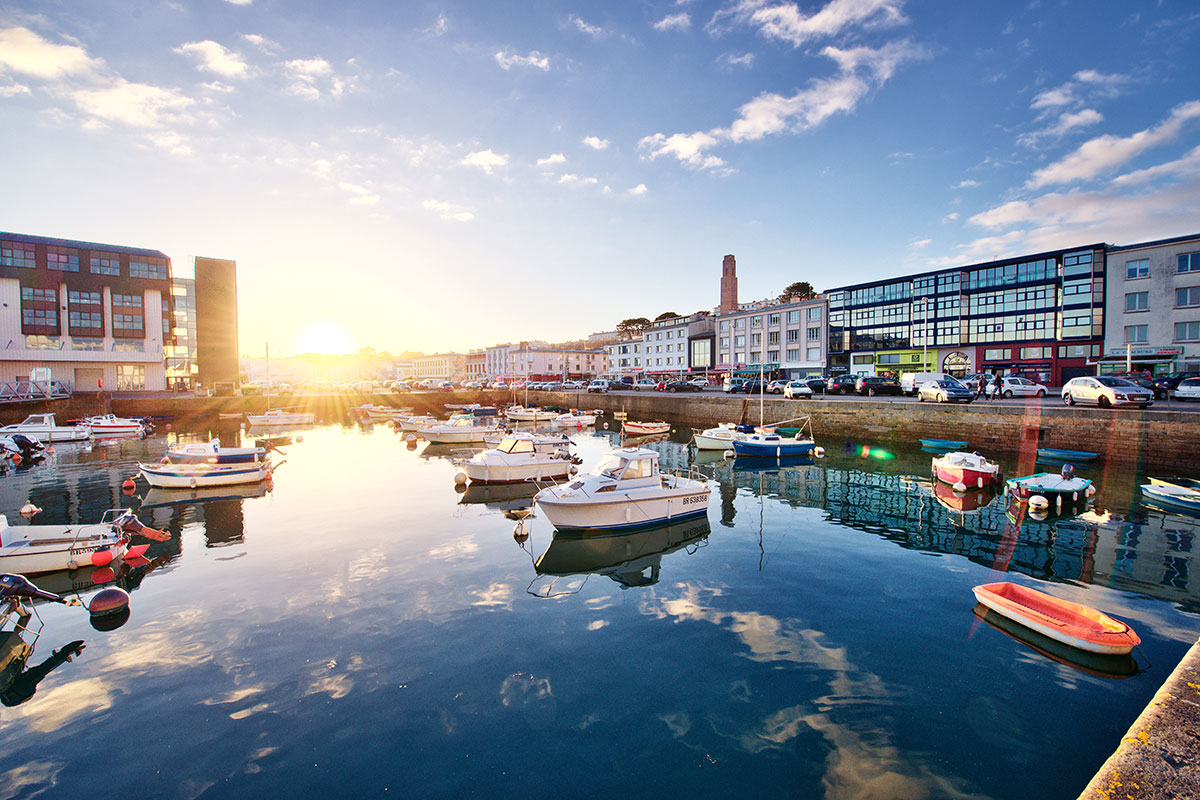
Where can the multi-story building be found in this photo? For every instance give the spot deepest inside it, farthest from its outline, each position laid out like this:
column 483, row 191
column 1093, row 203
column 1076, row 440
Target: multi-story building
column 92, row 313
column 1153, row 307
column 1040, row 314
column 539, row 362
column 216, row 323
column 180, row 354
column 665, row 347
column 475, row 363
column 625, row 356
column 780, row 339
column 442, row 366
column 669, row 347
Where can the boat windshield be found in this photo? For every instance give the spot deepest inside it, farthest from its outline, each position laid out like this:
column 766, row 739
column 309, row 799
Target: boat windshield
column 610, row 467
column 513, row 445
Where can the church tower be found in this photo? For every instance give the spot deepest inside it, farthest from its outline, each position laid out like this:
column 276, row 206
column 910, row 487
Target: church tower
column 728, row 285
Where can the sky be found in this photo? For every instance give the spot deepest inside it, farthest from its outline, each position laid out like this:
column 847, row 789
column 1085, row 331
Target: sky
column 450, row 175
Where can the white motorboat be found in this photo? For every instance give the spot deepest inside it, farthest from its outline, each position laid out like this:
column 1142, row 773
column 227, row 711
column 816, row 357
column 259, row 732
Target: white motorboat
column 523, row 414
column 575, row 419
column 415, row 423
column 457, row 431
column 721, row 437
column 193, row 476
column 970, row 469
column 279, row 419
column 376, row 413
column 521, row 457
column 625, row 490
column 211, row 452
column 111, row 425
column 29, row 549
column 646, row 428
column 43, row 428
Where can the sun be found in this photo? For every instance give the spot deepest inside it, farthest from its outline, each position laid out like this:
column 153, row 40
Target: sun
column 324, row 337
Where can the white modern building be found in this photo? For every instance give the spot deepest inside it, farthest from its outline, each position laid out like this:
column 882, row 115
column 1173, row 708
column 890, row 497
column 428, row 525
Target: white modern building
column 787, row 338
column 1152, row 320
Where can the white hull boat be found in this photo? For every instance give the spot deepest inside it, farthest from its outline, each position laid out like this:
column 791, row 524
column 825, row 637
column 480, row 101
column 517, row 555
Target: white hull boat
column 278, row 419
column 30, row 549
column 459, row 430
column 43, row 428
column 625, row 490
column 211, row 452
column 970, row 469
column 377, row 413
column 574, row 420
column 720, row 438
column 523, row 414
column 415, row 423
column 522, row 457
column 193, row 476
column 646, row 428
column 110, row 425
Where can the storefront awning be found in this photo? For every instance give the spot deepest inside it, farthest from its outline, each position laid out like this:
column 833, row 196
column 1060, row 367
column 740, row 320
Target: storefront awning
column 754, row 369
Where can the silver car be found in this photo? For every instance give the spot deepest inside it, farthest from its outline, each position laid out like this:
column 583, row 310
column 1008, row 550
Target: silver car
column 1105, row 391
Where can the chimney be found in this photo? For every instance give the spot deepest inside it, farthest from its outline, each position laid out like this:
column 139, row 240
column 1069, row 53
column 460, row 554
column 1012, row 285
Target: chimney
column 728, row 285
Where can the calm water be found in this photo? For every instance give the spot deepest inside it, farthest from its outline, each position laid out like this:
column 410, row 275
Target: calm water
column 364, row 629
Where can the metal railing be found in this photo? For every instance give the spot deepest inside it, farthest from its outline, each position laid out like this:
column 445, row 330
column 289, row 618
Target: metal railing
column 24, row 391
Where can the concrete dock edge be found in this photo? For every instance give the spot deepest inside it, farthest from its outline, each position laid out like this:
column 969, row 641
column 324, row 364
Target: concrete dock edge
column 1159, row 756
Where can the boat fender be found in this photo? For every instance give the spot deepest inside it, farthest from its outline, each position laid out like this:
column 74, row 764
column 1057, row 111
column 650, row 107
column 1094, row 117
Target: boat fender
column 519, row 532
column 299, row 438
column 412, row 437
column 979, row 482
column 728, row 454
column 1091, row 491
column 573, row 470
column 606, row 426
column 1039, row 503
column 1058, row 502
column 29, row 509
column 460, row 478
column 108, row 601
column 819, row 451
column 127, row 486
column 102, row 558
column 960, row 487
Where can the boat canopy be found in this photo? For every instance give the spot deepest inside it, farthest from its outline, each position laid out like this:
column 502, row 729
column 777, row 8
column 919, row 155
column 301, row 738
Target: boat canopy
column 511, row 444
column 628, row 465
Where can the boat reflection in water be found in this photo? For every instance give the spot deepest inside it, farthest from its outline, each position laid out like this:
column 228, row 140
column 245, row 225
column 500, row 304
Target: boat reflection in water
column 161, row 498
column 18, row 682
column 761, row 464
column 1101, row 665
column 505, row 497
column 963, row 502
column 629, row 559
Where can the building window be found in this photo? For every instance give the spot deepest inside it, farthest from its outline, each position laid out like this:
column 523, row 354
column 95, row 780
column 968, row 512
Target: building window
column 814, row 314
column 1136, row 334
column 793, row 335
column 86, row 343
column 38, row 342
column 724, row 325
column 147, row 267
column 996, row 355
column 103, row 263
column 756, row 322
column 1035, row 352
column 1189, row 262
column 814, row 334
column 39, row 311
column 793, row 317
column 814, row 354
column 1137, row 269
column 1137, row 301
column 63, row 259
column 773, row 337
column 1185, row 298
column 739, row 324
column 739, row 341
column 1187, row 331
column 131, row 377
column 773, row 320
column 17, row 254
column 755, row 339
column 866, row 359
column 739, row 358
column 127, row 322
column 793, row 354
column 772, row 356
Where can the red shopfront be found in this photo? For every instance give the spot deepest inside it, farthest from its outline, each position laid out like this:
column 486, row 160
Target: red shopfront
column 1052, row 364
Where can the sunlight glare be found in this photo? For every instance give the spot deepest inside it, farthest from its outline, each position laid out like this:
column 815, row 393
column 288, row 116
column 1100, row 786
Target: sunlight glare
column 324, row 337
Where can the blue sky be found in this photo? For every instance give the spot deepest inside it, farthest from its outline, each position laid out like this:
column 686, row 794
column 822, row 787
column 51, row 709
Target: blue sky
column 438, row 175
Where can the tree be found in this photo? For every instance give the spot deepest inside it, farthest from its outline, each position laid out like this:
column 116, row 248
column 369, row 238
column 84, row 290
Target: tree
column 801, row 289
column 634, row 326
column 665, row 315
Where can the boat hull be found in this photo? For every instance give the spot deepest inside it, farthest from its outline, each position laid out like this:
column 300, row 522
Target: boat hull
column 276, row 421
column 968, row 469
column 187, row 477
column 458, row 436
column 78, row 433
column 646, row 428
column 1069, row 623
column 89, row 545
column 745, row 447
column 1173, row 498
column 1072, row 491
column 547, row 469
column 623, row 512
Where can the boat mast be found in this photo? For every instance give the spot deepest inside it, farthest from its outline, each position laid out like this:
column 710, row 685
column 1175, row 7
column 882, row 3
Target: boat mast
column 267, row 352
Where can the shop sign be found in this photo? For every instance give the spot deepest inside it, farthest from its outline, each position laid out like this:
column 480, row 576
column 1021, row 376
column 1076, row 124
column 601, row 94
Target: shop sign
column 1142, row 352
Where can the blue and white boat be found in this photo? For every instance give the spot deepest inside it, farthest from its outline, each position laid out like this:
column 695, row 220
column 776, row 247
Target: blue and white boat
column 211, row 452
column 1073, row 456
column 195, row 476
column 1172, row 497
column 772, row 445
column 1064, row 487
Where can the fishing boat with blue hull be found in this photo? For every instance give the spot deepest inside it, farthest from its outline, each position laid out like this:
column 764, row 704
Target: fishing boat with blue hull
column 1071, row 456
column 942, row 445
column 1172, row 497
column 1063, row 488
column 1188, row 483
column 765, row 442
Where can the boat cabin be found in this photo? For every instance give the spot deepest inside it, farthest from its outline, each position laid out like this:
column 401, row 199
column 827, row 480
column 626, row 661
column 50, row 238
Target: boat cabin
column 629, row 467
column 513, row 444
column 40, row 420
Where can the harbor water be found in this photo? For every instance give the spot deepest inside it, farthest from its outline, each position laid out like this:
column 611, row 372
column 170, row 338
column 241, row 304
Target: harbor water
column 366, row 628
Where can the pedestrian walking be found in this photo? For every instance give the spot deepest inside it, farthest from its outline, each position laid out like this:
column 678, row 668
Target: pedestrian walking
column 981, row 386
column 997, row 386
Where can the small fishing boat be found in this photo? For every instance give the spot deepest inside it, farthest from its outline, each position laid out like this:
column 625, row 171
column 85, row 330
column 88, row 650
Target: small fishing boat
column 21, row 448
column 43, row 428
column 1099, row 664
column 521, row 457
column 772, row 445
column 457, row 431
column 193, row 476
column 645, row 428
column 1075, row 456
column 111, row 425
column 30, row 549
column 575, row 418
column 1172, row 498
column 770, row 463
column 969, row 469
column 480, row 411
column 1061, row 620
column 414, row 422
column 1190, row 483
column 278, row 419
column 624, row 490
column 375, row 413
column 530, row 414
column 943, row 444
column 721, row 437
column 1063, row 488
column 211, row 452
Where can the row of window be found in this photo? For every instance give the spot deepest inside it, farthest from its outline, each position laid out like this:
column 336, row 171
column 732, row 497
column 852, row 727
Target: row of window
column 1140, row 268
column 66, row 259
column 1184, row 332
column 1187, row 297
column 812, row 356
column 812, row 314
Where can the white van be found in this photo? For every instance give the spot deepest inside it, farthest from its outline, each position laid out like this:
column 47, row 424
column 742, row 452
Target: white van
column 911, row 381
column 598, row 386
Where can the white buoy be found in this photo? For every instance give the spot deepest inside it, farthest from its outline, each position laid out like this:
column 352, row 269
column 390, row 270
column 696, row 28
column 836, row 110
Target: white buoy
column 728, row 454
column 1039, row 503
column 959, row 487
column 979, row 482
column 460, row 477
column 574, row 470
column 819, row 451
column 412, row 437
column 1058, row 501
column 1091, row 491
column 606, row 426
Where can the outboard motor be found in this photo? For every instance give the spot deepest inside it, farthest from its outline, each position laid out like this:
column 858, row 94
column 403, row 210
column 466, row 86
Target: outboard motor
column 15, row 587
column 29, row 448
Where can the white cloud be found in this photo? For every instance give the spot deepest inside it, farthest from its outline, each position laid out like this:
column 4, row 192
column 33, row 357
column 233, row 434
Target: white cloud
column 486, row 160
column 674, row 22
column 1066, row 123
column 1107, row 153
column 637, row 191
column 135, row 104
column 571, row 178
column 360, row 195
column 239, row 2
column 595, row 142
column 688, row 148
column 449, row 212
column 14, row 90
column 951, row 217
column 23, row 51
column 919, row 243
column 551, row 160
column 965, row 184
column 306, row 75
column 439, row 26
column 595, row 31
column 742, row 60
column 1086, row 84
column 1188, row 165
column 214, row 57
column 261, row 42
column 508, row 60
column 785, row 22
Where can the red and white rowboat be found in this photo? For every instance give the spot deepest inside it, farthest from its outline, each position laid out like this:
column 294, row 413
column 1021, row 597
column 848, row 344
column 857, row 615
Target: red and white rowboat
column 970, row 469
column 1061, row 620
column 646, row 428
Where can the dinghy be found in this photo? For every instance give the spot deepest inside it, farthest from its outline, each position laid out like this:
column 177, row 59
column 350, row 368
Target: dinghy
column 1061, row 620
column 970, row 469
column 193, row 476
column 1172, row 497
column 645, row 428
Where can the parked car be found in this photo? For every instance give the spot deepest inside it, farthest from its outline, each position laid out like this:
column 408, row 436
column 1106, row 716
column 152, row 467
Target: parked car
column 816, row 384
column 699, row 383
column 841, row 384
column 947, row 391
column 871, row 385
column 644, row 385
column 794, row 389
column 972, row 381
column 776, row 387
column 1188, row 389
column 754, row 386
column 911, row 381
column 598, row 387
column 574, row 385
column 681, row 386
column 1138, row 379
column 1105, row 391
column 733, row 385
column 1165, row 384
column 1013, row 386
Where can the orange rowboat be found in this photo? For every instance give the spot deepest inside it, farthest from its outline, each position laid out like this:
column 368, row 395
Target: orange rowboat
column 1061, row 620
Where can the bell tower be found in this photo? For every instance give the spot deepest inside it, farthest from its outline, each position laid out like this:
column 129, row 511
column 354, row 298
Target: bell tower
column 728, row 285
